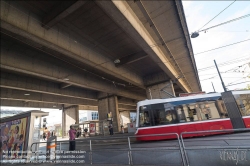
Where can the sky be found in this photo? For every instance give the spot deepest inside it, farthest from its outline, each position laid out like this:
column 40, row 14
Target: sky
column 228, row 59
column 55, row 115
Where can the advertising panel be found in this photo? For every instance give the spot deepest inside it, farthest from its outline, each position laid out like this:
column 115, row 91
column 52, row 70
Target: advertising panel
column 13, row 136
column 131, row 127
column 92, row 128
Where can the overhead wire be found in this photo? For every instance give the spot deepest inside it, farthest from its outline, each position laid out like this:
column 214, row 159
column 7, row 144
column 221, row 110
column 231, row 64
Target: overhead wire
column 238, row 83
column 221, row 72
column 224, row 63
column 231, row 31
column 217, row 15
column 214, row 66
column 236, row 19
column 222, row 47
column 235, row 81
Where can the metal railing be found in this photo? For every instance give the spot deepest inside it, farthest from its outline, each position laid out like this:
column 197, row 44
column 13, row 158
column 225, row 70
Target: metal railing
column 154, row 135
column 129, row 154
column 58, row 147
column 94, row 153
column 212, row 132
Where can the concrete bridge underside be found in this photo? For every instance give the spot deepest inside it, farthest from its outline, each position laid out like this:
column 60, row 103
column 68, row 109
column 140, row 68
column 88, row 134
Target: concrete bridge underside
column 104, row 55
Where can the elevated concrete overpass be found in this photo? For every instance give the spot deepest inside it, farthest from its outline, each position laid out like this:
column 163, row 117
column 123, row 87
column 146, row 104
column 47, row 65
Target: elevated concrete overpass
column 86, row 54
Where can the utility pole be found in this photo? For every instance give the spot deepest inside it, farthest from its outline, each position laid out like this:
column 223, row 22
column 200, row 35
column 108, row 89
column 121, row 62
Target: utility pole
column 213, row 86
column 223, row 85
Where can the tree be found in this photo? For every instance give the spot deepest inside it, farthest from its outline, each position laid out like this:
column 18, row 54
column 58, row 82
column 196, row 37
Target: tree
column 248, row 87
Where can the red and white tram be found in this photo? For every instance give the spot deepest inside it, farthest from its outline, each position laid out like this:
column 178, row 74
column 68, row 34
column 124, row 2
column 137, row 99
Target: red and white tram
column 216, row 111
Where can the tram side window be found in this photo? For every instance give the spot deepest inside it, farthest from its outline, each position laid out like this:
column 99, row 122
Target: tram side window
column 210, row 110
column 243, row 102
column 180, row 114
column 221, row 108
column 190, row 112
column 159, row 116
column 164, row 116
column 171, row 116
column 204, row 110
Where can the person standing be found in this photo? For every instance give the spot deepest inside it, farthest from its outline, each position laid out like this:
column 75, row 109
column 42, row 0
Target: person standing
column 80, row 131
column 44, row 136
column 111, row 129
column 72, row 136
column 85, row 132
column 122, row 128
column 48, row 135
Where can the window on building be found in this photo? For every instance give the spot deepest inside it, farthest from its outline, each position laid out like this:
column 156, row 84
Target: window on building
column 94, row 115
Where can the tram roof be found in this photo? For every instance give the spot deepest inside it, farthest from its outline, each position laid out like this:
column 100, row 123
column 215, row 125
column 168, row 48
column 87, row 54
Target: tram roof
column 155, row 101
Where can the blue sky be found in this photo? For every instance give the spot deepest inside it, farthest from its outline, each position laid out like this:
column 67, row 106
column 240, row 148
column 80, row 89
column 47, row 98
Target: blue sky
column 198, row 13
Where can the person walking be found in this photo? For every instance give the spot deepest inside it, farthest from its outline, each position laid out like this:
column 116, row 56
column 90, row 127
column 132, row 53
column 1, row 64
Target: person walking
column 72, row 136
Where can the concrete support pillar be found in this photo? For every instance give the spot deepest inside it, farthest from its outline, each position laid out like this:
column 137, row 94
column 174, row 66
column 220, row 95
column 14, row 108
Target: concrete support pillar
column 161, row 91
column 77, row 114
column 63, row 122
column 159, row 86
column 70, row 115
column 109, row 103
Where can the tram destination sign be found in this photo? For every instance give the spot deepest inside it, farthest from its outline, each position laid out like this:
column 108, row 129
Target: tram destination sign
column 191, row 94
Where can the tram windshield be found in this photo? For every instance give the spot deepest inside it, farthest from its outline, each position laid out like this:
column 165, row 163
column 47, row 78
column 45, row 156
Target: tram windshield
column 181, row 112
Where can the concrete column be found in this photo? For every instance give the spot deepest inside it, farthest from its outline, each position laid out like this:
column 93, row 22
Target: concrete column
column 63, row 122
column 109, row 103
column 161, row 91
column 117, row 114
column 70, row 115
column 159, row 86
column 77, row 114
